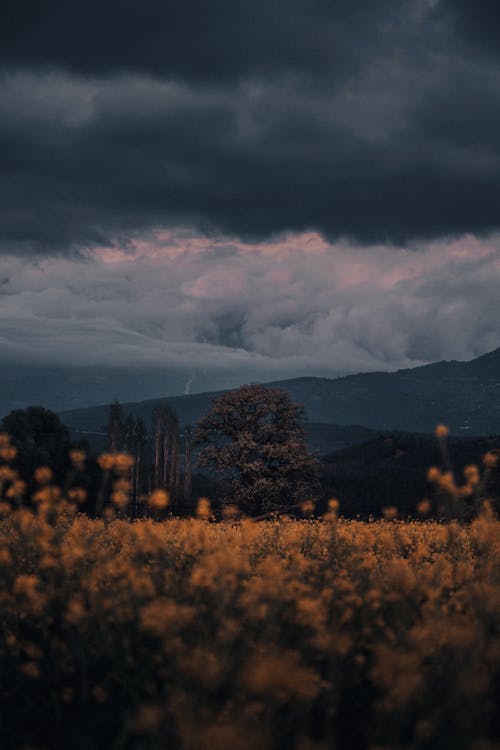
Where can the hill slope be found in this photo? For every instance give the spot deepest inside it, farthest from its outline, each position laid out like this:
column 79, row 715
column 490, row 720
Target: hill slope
column 464, row 395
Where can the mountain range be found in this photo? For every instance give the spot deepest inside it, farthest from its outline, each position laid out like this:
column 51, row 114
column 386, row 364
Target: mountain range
column 342, row 411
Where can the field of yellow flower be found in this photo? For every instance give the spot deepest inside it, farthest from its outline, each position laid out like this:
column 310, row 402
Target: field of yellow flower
column 239, row 635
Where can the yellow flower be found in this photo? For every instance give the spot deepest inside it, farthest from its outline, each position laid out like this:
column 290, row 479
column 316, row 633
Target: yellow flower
column 423, row 507
column 490, row 460
column 106, row 461
column 122, row 484
column 77, row 494
column 47, row 495
column 471, row 473
column 333, row 504
column 108, row 514
column 77, row 458
column 43, row 475
column 75, row 611
column 159, row 499
column 280, row 676
column 120, row 498
column 230, row 512
column 433, row 474
column 26, row 585
column 160, row 617
column 17, row 489
column 7, row 474
column 390, row 513
column 441, row 431
column 8, row 452
column 203, row 508
column 123, row 462
column 447, row 483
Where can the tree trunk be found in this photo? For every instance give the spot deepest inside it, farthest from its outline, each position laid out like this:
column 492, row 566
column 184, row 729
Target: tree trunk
column 166, row 449
column 188, row 463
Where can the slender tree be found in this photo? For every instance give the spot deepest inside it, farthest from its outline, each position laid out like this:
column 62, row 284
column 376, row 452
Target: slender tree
column 135, row 439
column 188, row 462
column 158, row 425
column 174, row 464
column 115, row 426
column 165, row 429
column 141, row 438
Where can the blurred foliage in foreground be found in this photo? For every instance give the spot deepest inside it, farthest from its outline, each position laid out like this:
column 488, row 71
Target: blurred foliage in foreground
column 306, row 635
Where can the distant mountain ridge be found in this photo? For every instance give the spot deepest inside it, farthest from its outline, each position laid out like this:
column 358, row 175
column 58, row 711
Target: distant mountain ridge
column 463, row 395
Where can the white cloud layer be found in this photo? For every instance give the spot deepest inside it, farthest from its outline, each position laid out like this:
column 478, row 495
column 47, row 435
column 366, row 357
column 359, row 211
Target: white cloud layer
column 298, row 306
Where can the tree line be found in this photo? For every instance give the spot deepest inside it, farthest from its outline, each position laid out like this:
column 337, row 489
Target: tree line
column 250, row 452
column 163, row 456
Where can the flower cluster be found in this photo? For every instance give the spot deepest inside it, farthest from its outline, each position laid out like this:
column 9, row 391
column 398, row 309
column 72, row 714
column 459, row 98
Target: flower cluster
column 306, row 634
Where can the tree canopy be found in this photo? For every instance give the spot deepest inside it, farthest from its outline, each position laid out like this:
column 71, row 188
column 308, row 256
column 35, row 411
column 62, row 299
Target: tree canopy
column 253, row 438
column 40, row 437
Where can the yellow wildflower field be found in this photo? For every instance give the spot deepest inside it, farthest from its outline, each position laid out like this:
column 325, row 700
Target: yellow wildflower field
column 312, row 634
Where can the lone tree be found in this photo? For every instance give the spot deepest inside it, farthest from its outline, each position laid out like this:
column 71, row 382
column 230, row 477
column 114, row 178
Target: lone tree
column 253, row 438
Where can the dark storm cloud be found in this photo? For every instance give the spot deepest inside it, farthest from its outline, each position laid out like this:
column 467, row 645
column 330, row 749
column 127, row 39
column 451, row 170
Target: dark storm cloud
column 477, row 22
column 370, row 120
column 191, row 40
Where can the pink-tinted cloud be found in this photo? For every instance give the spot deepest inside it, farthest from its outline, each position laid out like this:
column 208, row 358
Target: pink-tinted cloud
column 295, row 306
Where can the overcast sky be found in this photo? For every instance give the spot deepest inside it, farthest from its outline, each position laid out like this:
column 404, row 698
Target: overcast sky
column 271, row 188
